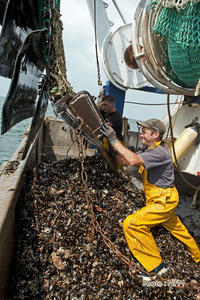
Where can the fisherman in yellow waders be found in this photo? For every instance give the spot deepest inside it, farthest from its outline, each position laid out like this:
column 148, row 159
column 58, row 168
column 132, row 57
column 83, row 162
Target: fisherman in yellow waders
column 156, row 166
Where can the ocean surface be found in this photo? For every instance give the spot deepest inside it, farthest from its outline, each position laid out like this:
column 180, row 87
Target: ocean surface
column 10, row 140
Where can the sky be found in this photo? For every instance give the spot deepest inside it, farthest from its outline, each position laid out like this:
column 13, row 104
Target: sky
column 79, row 44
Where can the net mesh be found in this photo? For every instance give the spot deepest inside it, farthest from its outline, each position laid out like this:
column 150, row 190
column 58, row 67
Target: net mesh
column 182, row 26
column 181, row 32
column 185, row 63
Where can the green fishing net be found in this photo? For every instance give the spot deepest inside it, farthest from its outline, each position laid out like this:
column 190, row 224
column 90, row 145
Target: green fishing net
column 181, row 53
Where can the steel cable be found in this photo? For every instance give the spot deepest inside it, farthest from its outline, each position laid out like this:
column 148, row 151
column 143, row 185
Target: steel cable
column 174, row 151
column 96, row 47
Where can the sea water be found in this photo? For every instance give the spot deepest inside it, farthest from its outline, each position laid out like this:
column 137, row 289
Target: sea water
column 10, row 140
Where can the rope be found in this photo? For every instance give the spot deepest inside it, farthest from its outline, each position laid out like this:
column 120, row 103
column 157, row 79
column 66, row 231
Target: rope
column 175, row 117
column 96, row 48
column 174, row 152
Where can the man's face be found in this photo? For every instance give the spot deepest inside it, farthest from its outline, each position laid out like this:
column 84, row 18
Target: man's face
column 149, row 136
column 107, row 106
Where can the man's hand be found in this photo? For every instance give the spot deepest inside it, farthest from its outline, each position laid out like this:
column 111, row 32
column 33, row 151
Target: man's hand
column 109, row 133
column 109, row 124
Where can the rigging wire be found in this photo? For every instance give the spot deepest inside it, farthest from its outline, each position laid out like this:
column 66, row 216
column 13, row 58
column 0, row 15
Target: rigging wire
column 174, row 151
column 139, row 103
column 117, row 7
column 176, row 114
column 96, row 47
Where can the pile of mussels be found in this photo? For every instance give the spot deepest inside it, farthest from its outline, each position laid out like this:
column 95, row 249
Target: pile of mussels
column 60, row 255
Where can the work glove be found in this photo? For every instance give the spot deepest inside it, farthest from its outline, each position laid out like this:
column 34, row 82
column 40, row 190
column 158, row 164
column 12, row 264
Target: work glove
column 109, row 133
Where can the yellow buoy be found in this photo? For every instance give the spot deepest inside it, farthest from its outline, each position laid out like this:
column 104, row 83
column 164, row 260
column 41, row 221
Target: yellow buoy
column 184, row 141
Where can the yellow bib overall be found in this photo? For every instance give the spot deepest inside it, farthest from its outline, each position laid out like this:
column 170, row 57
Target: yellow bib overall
column 160, row 209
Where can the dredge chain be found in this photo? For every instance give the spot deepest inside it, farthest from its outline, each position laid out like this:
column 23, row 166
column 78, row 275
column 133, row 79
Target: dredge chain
column 134, row 268
column 94, row 221
column 96, row 48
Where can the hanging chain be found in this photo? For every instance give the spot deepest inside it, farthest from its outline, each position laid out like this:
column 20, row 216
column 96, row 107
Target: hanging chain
column 82, row 159
column 134, row 268
column 96, row 47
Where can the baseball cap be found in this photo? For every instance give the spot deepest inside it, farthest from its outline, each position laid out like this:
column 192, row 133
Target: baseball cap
column 153, row 124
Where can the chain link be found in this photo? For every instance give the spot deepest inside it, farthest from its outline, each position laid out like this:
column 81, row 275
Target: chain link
column 82, row 159
column 134, row 268
column 94, row 222
column 96, row 48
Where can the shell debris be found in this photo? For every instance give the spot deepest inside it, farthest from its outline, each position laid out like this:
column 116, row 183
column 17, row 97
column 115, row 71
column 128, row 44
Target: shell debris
column 59, row 255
